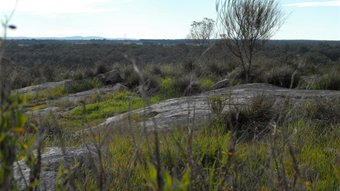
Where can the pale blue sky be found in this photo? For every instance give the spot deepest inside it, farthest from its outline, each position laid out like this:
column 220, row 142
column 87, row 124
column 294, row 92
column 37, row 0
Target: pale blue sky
column 156, row 19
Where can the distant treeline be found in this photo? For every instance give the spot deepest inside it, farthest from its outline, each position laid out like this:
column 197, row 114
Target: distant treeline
column 73, row 53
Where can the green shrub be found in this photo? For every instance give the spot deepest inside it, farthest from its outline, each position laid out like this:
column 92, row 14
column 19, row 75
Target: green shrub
column 207, row 84
column 83, row 85
column 218, row 68
column 167, row 87
column 189, row 66
column 187, row 86
column 101, row 69
column 155, row 70
column 251, row 121
column 12, row 120
column 282, row 77
column 132, row 80
column 322, row 112
column 327, row 82
column 47, row 95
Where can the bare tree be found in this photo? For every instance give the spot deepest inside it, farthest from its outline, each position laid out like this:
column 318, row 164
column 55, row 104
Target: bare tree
column 245, row 25
column 202, row 31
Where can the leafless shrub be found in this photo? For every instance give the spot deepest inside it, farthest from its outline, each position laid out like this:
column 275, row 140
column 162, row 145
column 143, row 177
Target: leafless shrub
column 245, row 25
column 202, row 31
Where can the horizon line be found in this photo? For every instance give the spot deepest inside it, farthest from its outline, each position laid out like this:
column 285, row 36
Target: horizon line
column 86, row 38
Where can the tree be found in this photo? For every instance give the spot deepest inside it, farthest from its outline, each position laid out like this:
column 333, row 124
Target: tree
column 202, row 31
column 245, row 25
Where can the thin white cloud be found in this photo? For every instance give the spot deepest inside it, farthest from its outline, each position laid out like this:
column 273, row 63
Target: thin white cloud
column 56, row 7
column 334, row 3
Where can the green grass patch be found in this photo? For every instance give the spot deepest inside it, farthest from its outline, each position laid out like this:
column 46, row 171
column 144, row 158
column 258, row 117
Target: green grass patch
column 99, row 111
column 83, row 85
column 207, row 83
column 45, row 95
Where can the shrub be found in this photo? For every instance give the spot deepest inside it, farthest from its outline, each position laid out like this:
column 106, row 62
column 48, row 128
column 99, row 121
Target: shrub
column 189, row 66
column 282, row 77
column 83, row 85
column 322, row 112
column 187, row 86
column 50, row 128
column 12, row 120
column 167, row 88
column 155, row 70
column 101, row 69
column 251, row 121
column 78, row 75
column 218, row 68
column 89, row 73
column 207, row 84
column 152, row 84
column 132, row 80
column 327, row 82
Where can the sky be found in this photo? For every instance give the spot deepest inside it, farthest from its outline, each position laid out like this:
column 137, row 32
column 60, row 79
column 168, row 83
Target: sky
column 155, row 19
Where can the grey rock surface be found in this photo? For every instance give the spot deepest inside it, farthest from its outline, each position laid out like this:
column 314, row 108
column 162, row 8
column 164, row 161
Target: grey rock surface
column 113, row 77
column 41, row 87
column 222, row 84
column 186, row 110
column 44, row 111
column 52, row 158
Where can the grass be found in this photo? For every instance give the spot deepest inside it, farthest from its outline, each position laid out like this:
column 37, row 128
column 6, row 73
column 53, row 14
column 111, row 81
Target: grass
column 207, row 84
column 329, row 81
column 48, row 94
column 97, row 112
column 301, row 153
column 251, row 165
column 83, row 85
column 298, row 155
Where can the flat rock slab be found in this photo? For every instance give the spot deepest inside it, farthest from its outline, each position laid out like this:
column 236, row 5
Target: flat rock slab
column 75, row 99
column 83, row 96
column 197, row 109
column 41, row 87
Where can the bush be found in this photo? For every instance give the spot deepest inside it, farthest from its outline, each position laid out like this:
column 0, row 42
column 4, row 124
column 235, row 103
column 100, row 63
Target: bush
column 188, row 66
column 155, row 70
column 101, row 69
column 282, row 77
column 78, row 75
column 218, row 68
column 152, row 84
column 187, row 86
column 327, row 82
column 132, row 80
column 167, row 87
column 322, row 112
column 82, row 85
column 251, row 121
column 207, row 84
column 89, row 73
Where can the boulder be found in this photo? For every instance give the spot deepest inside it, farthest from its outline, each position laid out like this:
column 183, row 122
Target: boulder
column 222, row 84
column 52, row 158
column 31, row 90
column 119, row 87
column 113, row 77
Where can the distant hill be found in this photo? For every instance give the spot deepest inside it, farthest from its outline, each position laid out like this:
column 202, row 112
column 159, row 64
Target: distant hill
column 68, row 38
column 102, row 40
